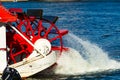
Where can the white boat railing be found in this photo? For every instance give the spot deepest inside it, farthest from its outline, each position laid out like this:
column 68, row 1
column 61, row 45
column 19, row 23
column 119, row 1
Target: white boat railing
column 3, row 54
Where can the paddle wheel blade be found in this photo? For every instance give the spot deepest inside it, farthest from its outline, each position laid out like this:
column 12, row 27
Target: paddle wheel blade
column 52, row 19
column 63, row 32
column 16, row 10
column 35, row 12
column 59, row 48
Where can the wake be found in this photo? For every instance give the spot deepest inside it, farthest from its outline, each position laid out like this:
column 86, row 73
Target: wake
column 83, row 57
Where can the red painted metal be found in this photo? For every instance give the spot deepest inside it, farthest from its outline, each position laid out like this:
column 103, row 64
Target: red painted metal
column 6, row 16
column 63, row 32
column 16, row 10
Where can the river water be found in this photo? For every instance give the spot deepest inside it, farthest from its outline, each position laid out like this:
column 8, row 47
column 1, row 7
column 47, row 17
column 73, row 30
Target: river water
column 94, row 40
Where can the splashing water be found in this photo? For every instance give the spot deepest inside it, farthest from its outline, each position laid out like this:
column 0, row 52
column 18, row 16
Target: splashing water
column 83, row 57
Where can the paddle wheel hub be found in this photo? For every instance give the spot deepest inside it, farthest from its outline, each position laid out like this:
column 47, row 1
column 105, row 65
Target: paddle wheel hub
column 44, row 47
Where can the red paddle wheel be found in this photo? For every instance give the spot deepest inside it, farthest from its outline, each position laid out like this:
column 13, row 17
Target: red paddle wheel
column 31, row 29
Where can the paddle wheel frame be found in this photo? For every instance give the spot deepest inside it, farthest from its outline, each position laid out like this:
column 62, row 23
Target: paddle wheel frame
column 27, row 29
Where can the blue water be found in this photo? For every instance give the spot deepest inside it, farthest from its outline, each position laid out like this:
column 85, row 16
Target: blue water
column 98, row 22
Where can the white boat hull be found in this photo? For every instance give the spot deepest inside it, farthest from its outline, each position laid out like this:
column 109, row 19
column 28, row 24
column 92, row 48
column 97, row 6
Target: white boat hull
column 29, row 67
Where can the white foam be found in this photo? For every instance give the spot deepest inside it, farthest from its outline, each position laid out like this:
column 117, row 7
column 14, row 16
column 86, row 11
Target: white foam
column 85, row 57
